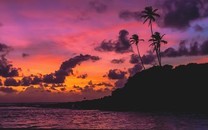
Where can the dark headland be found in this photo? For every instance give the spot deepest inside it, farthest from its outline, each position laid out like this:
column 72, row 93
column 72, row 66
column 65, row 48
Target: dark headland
column 183, row 89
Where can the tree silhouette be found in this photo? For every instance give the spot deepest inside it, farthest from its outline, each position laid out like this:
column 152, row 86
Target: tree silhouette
column 149, row 14
column 156, row 40
column 135, row 40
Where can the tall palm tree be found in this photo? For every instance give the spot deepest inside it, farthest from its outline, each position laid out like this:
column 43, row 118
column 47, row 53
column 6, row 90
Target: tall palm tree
column 149, row 14
column 156, row 40
column 135, row 40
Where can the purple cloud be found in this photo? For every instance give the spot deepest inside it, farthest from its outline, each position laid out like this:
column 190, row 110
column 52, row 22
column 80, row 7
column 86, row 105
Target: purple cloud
column 122, row 45
column 117, row 61
column 82, row 76
column 77, row 60
column 11, row 82
column 137, row 68
column 180, row 13
column 116, row 74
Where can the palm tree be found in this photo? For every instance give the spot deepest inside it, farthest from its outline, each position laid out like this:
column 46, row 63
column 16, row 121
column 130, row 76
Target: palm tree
column 149, row 14
column 135, row 40
column 156, row 40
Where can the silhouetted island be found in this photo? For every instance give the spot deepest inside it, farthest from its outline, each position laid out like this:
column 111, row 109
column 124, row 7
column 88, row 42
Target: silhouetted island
column 183, row 89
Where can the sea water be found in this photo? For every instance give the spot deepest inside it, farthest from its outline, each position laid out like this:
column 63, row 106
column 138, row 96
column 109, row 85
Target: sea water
column 37, row 118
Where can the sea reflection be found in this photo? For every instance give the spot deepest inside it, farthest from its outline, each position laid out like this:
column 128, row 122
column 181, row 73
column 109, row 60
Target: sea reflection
column 28, row 117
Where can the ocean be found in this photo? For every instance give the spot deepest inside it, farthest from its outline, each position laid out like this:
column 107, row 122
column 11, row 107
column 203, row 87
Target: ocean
column 50, row 118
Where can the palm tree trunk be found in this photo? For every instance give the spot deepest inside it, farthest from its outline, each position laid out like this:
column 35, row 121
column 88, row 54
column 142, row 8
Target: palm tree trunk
column 151, row 28
column 158, row 57
column 140, row 57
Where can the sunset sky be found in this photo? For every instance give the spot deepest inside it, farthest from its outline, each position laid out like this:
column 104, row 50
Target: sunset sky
column 69, row 50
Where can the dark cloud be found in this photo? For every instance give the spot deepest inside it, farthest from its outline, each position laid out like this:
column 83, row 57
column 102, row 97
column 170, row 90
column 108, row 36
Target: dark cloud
column 77, row 87
column 4, row 49
column 26, row 81
column 204, row 48
column 98, row 6
column 182, row 51
column 122, row 45
column 77, row 60
column 106, row 46
column 117, row 61
column 147, row 59
column 6, row 68
column 120, row 82
column 58, row 77
column 92, row 85
column 135, row 69
column 58, row 85
column 182, row 48
column 180, row 13
column 128, row 15
column 198, row 28
column 31, row 80
column 25, row 55
column 7, row 90
column 194, row 49
column 45, row 85
column 66, row 69
column 134, row 59
column 104, row 84
column 88, row 91
column 82, row 76
column 116, row 74
column 170, row 52
column 36, row 80
column 49, row 78
column 55, row 78
column 11, row 82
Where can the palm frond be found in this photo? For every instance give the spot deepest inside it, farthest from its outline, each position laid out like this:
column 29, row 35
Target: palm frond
column 153, row 19
column 141, row 39
column 144, row 16
column 155, row 10
column 131, row 40
column 162, row 36
column 145, row 20
column 165, row 42
column 145, row 12
column 156, row 15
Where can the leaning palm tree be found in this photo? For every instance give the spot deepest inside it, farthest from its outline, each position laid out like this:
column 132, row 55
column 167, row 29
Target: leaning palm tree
column 156, row 40
column 149, row 14
column 135, row 40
